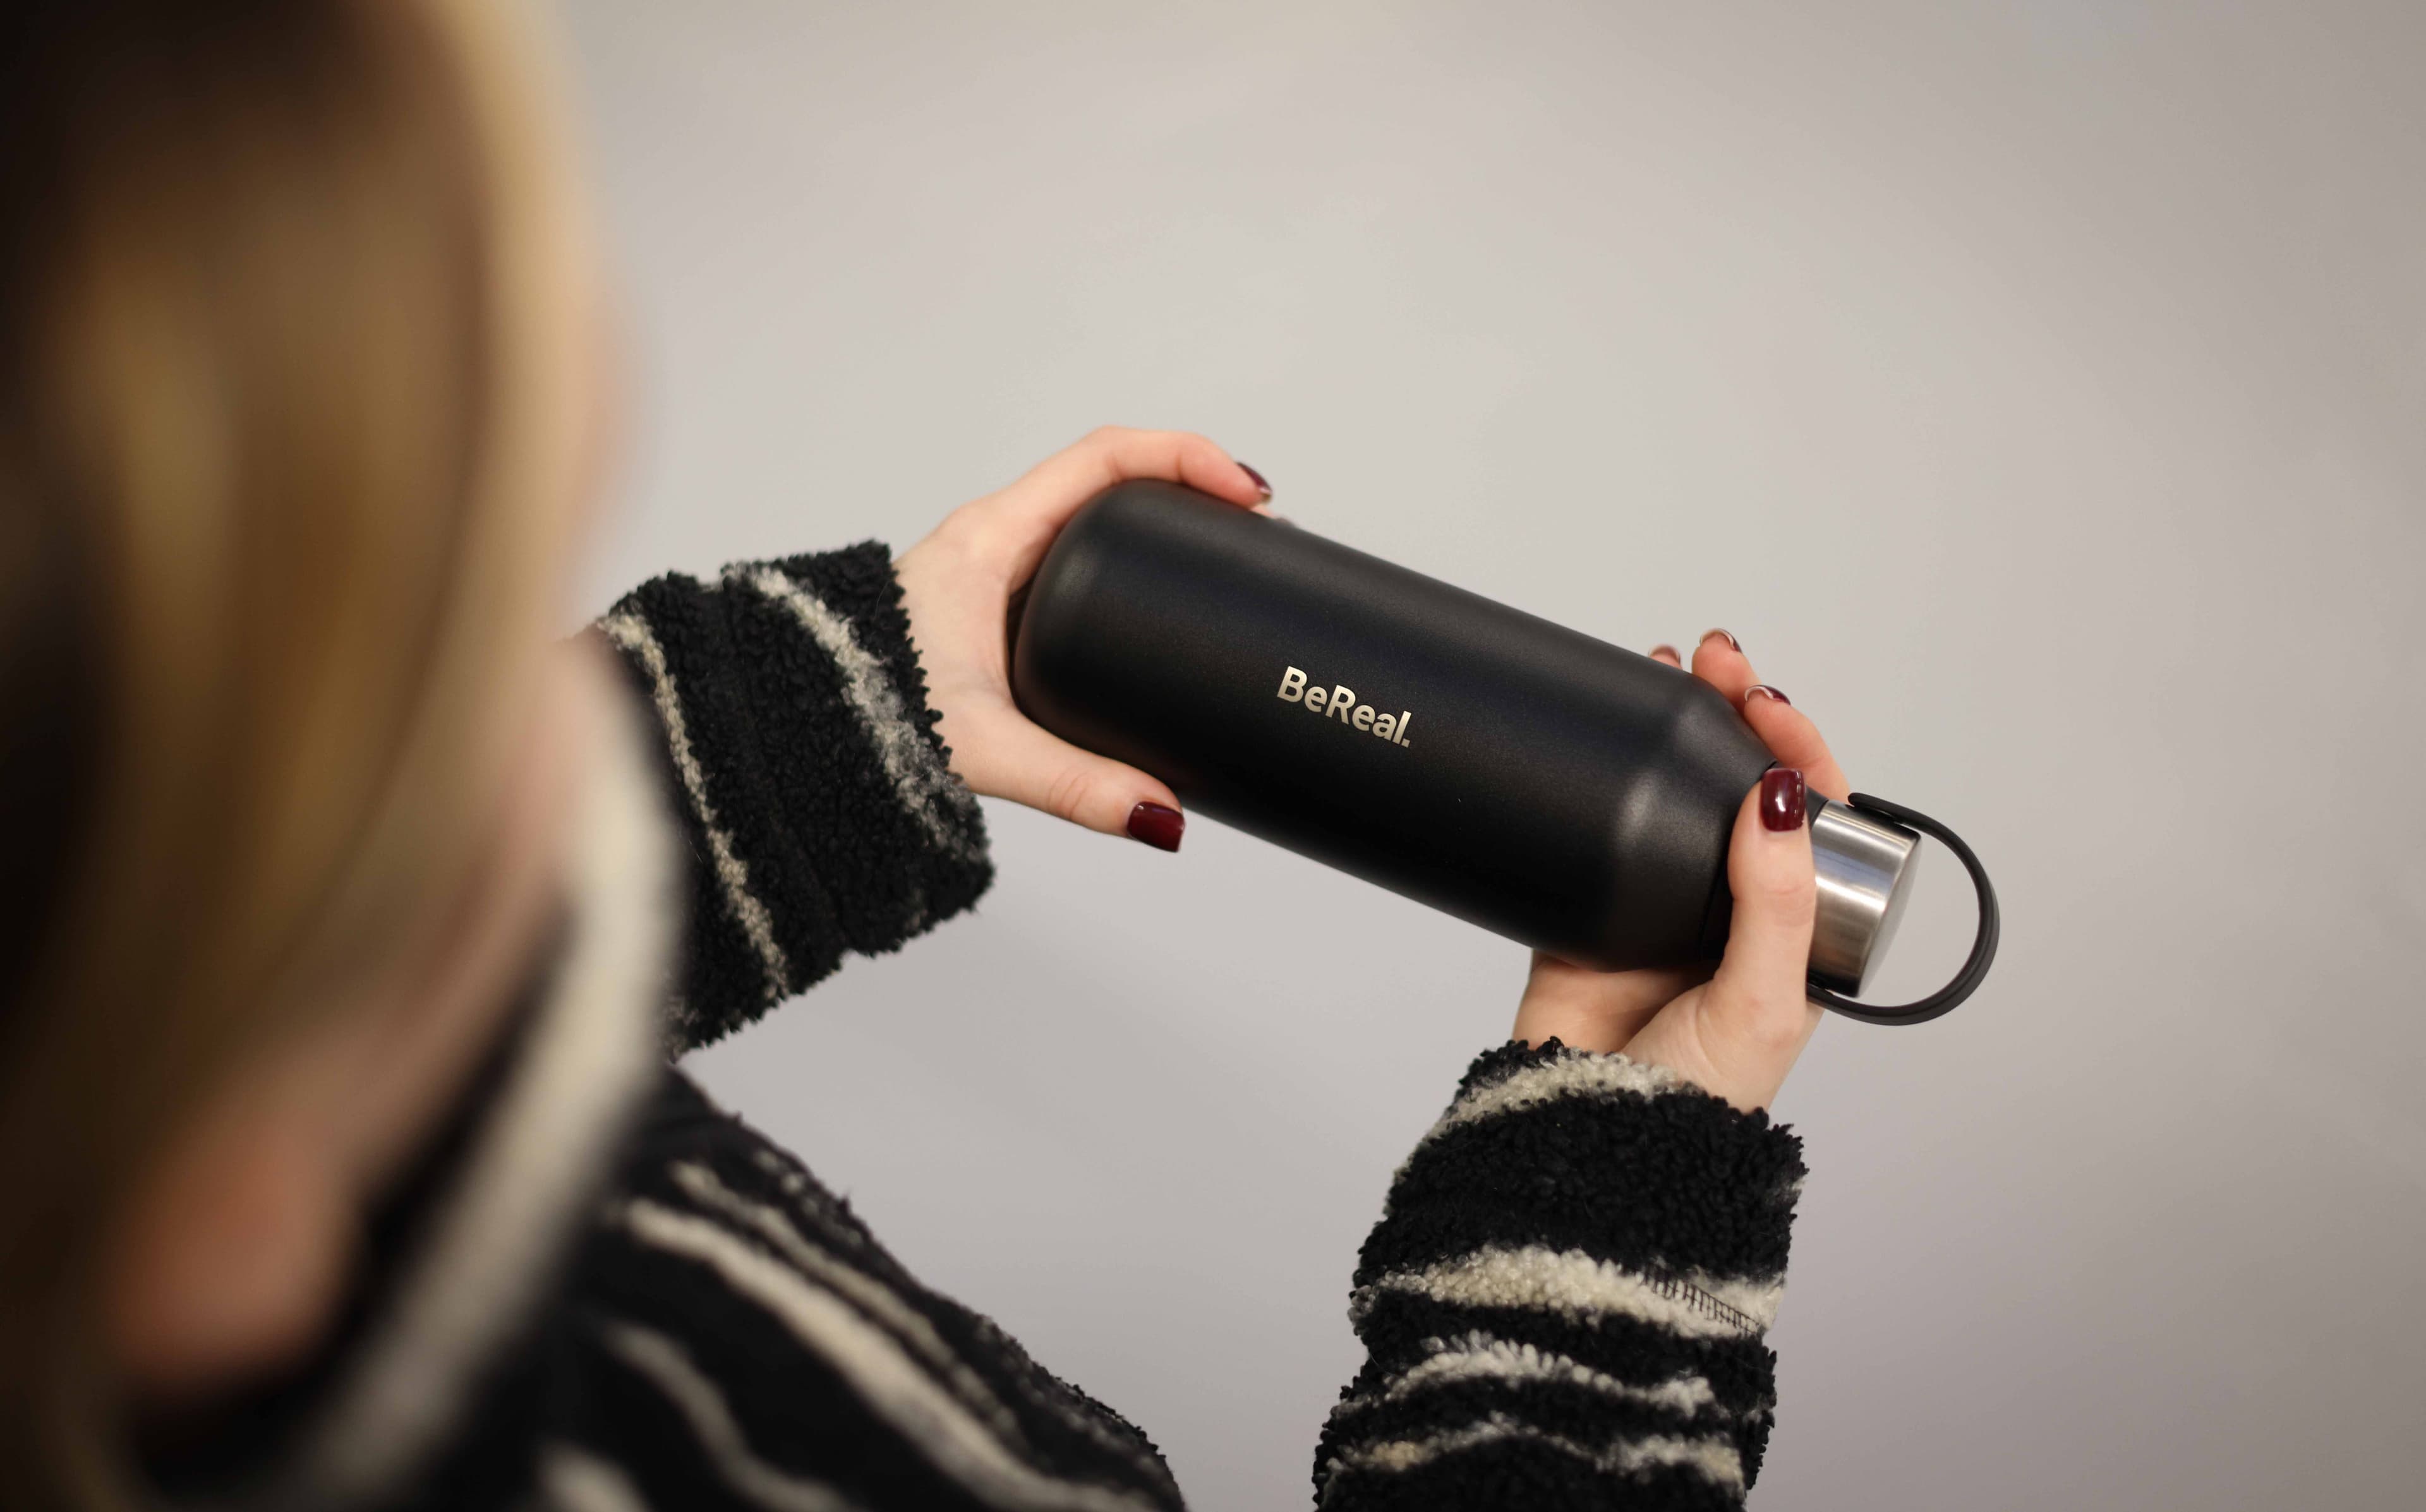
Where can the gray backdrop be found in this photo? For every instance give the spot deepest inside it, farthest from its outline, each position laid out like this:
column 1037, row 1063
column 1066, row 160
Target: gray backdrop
column 2035, row 389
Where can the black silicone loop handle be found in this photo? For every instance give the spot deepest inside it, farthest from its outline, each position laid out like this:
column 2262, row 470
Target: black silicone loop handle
column 1984, row 945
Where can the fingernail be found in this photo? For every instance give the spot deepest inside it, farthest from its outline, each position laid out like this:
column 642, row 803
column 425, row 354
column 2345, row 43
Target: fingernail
column 1673, row 654
column 1261, row 487
column 1766, row 691
column 1781, row 798
column 1729, row 634
column 1159, row 825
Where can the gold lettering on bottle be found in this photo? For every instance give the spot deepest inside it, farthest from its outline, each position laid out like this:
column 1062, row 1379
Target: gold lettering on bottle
column 1340, row 701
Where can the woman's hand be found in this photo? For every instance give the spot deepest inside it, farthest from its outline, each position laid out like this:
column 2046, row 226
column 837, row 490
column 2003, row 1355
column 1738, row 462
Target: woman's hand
column 1737, row 1030
column 957, row 585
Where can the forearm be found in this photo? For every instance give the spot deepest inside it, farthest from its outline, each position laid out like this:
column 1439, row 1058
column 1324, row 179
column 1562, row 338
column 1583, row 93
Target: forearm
column 802, row 762
column 1564, row 1304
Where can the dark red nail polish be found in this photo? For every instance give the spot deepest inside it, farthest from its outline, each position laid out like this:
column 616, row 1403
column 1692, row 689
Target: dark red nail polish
column 1159, row 825
column 1781, row 798
column 1729, row 634
column 1766, row 692
column 1261, row 487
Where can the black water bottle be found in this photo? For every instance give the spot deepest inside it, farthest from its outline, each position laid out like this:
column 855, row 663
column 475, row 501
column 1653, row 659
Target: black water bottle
column 1543, row 784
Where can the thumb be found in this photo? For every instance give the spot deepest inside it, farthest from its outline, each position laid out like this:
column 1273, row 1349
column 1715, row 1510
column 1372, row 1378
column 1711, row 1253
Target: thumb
column 1022, row 761
column 1759, row 1015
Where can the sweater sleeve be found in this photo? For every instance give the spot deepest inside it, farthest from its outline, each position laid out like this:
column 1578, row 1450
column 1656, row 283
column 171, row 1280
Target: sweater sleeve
column 803, row 766
column 1565, row 1302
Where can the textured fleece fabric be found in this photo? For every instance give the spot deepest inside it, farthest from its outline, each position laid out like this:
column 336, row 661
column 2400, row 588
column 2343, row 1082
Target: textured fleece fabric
column 1562, row 1305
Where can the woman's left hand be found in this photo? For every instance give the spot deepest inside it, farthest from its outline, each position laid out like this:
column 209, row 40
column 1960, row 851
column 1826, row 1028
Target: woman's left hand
column 1736, row 1030
column 957, row 585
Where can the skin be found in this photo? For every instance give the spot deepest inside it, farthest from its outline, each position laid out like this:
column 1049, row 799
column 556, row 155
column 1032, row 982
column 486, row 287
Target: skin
column 957, row 585
column 234, row 1256
column 1736, row 1031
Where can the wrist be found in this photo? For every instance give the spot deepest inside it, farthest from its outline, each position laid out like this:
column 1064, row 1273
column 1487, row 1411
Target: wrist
column 1574, row 1025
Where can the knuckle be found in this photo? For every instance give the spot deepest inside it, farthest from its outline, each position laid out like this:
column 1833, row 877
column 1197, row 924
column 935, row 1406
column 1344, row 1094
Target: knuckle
column 1785, row 884
column 1068, row 792
column 967, row 537
column 1772, row 1027
column 965, row 529
column 1790, row 898
column 1763, row 1020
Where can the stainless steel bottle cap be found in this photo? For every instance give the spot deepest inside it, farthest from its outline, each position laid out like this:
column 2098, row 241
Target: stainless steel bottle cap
column 1864, row 864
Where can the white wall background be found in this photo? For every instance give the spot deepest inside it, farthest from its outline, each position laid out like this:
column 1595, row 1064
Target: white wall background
column 2036, row 389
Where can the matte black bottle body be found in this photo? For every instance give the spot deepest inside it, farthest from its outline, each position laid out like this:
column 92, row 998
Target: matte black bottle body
column 1553, row 788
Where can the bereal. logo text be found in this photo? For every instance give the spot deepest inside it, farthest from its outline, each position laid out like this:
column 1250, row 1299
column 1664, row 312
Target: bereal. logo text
column 1340, row 702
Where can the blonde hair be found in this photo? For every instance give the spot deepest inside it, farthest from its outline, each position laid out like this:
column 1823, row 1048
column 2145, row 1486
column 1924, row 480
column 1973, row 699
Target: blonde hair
column 287, row 452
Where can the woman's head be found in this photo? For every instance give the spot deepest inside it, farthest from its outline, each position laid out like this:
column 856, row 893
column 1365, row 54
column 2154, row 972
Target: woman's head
column 295, row 337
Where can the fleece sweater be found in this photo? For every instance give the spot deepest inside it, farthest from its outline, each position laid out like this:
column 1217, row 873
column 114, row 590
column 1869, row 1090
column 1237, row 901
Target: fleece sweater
column 596, row 1290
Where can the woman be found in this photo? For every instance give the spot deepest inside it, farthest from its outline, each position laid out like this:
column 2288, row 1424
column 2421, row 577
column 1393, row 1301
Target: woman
column 340, row 1161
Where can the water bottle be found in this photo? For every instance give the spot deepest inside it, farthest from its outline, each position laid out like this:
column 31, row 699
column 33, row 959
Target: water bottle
column 1547, row 786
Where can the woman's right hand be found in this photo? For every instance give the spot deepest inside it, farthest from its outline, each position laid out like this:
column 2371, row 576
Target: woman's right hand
column 1735, row 1031
column 957, row 587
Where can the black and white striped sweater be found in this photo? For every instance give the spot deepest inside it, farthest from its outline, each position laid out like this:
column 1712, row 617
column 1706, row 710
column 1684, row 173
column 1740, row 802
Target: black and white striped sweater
column 598, row 1292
